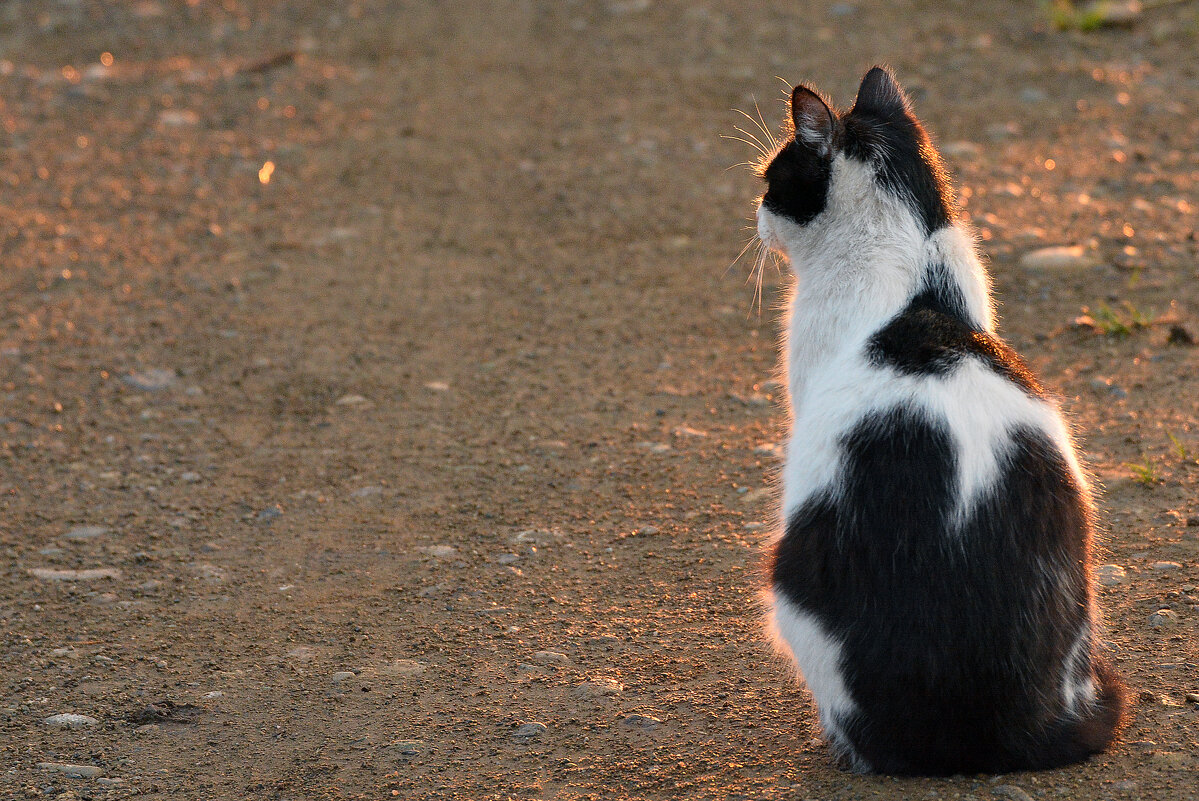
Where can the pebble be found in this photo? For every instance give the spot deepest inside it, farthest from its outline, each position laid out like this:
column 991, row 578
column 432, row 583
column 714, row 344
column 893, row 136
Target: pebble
column 352, row 400
column 529, row 731
column 651, row 530
column 961, row 149
column 507, row 558
column 90, row 574
column 85, row 533
column 403, row 667
column 760, row 494
column 1163, row 618
column 538, row 536
column 105, row 781
column 366, row 492
column 1110, row 575
column 175, row 118
column 437, row 386
column 551, row 656
column 154, row 379
column 342, row 675
column 439, row 551
column 1002, row 130
column 1072, row 257
column 70, row 720
column 1033, row 94
column 1106, row 385
column 598, row 688
column 1011, row 791
column 1125, row 785
column 641, row 721
column 408, row 747
column 1166, row 566
column 269, row 514
column 73, row 771
column 190, row 476
column 1192, row 698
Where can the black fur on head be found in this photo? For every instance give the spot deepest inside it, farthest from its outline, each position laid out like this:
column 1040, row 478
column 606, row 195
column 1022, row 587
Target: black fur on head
column 880, row 130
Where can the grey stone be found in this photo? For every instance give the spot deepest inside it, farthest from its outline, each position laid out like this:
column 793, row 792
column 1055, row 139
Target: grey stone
column 1163, row 618
column 1166, row 566
column 551, row 656
column 1011, row 791
column 342, row 675
column 72, row 771
column 529, row 731
column 154, row 379
column 638, row 721
column 1110, row 575
column 85, row 533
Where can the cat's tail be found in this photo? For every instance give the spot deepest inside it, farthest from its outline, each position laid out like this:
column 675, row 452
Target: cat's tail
column 1073, row 739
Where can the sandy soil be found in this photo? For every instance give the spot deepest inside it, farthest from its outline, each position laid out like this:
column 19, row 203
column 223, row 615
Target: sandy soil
column 453, row 421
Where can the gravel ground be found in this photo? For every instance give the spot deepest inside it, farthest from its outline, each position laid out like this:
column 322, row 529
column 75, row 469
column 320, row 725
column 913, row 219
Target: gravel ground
column 380, row 418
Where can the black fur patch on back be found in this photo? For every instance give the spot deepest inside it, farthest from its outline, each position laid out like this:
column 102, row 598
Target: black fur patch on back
column 934, row 333
column 904, row 158
column 953, row 633
column 797, row 181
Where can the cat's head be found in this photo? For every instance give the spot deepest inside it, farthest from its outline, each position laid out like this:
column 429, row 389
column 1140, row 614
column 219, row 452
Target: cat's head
column 853, row 170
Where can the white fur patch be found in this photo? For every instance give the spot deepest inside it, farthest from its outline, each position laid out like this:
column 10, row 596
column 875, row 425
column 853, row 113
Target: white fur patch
column 818, row 657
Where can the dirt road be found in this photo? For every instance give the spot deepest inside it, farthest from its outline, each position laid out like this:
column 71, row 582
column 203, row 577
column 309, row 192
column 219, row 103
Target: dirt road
column 380, row 419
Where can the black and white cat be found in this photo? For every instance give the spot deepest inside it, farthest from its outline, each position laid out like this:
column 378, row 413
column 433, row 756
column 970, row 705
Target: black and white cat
column 933, row 577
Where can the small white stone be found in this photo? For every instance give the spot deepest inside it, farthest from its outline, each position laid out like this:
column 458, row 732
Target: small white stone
column 439, row 551
column 176, row 118
column 960, row 149
column 1110, row 575
column 403, row 667
column 1073, row 257
column 551, row 656
column 154, row 379
column 90, row 574
column 341, row 675
column 70, row 720
column 1166, row 566
column 352, row 400
column 598, row 688
column 437, row 386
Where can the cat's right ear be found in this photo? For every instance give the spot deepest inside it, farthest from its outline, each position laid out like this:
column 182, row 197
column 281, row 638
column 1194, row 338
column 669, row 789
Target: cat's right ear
column 813, row 119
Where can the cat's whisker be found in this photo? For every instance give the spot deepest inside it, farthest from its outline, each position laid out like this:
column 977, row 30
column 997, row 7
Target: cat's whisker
column 761, row 125
column 733, row 264
column 755, row 146
column 761, row 146
column 765, row 128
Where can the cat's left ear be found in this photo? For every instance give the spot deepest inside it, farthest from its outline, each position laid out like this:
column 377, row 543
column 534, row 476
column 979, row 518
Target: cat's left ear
column 813, row 119
column 882, row 95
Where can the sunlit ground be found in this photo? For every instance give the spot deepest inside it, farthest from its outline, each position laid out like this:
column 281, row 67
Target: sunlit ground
column 380, row 419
